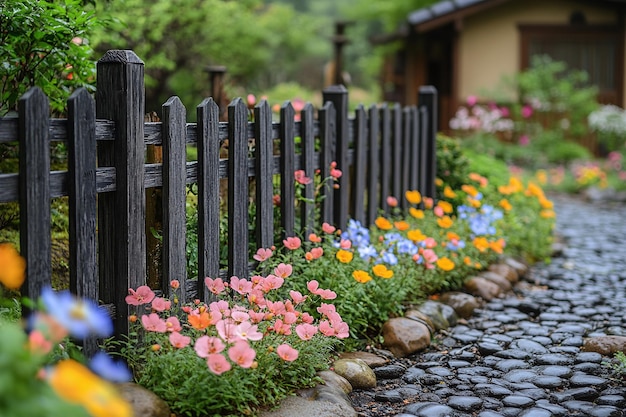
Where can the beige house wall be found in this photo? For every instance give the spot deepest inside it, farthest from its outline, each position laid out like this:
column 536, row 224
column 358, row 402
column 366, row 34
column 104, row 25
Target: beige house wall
column 490, row 41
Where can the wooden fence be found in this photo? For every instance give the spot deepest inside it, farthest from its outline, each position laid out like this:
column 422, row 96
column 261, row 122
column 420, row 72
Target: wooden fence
column 382, row 151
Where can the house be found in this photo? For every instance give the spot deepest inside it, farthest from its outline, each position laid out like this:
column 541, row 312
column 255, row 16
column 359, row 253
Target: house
column 464, row 47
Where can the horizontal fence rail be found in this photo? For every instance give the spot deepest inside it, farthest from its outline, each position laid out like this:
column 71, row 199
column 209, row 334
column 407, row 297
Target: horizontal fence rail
column 382, row 151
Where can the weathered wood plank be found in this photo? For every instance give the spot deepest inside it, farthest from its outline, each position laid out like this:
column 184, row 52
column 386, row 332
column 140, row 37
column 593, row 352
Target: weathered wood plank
column 81, row 146
column 415, row 151
column 396, row 152
column 174, row 195
column 360, row 165
column 121, row 215
column 58, row 131
column 373, row 161
column 264, row 174
column 385, row 163
column 338, row 95
column 327, row 145
column 208, row 195
column 287, row 169
column 34, row 186
column 307, row 208
column 406, row 160
column 427, row 98
column 238, row 189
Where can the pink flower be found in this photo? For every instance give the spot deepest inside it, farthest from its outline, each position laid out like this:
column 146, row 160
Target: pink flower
column 251, row 100
column 524, row 140
column 326, row 329
column 143, row 295
column 472, row 100
column 282, row 328
column 345, row 244
column 438, row 211
column 276, row 307
column 307, row 318
column 527, row 111
column 297, row 297
column 292, row 243
column 263, row 254
column 392, row 201
column 242, row 354
column 239, row 316
column 306, row 331
column 327, row 294
column 207, row 345
column 429, row 242
column 178, row 340
column 220, row 306
column 287, row 353
column 256, row 317
column 327, row 228
column 317, row 253
column 218, row 364
column 216, row 286
column 504, row 111
column 335, row 173
column 283, row 270
column 161, row 304
column 153, row 323
column 173, row 325
column 248, row 331
column 175, row 284
column 301, row 178
column 273, row 282
column 242, row 286
column 326, row 309
column 313, row 286
column 226, row 330
column 290, row 317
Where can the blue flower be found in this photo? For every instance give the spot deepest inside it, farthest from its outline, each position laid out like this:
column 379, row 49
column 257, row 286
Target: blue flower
column 115, row 371
column 367, row 252
column 80, row 317
column 406, row 246
column 389, row 258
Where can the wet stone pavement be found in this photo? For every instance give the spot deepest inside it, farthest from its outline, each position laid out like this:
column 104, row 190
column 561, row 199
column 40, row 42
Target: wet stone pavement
column 521, row 355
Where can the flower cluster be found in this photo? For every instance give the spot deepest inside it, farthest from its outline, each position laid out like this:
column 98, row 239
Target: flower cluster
column 475, row 117
column 224, row 332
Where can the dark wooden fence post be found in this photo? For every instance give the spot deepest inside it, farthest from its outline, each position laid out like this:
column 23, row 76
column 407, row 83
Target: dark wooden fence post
column 264, row 168
column 121, row 215
column 373, row 183
column 174, row 133
column 287, row 169
column 427, row 99
column 208, row 195
column 385, row 157
column 34, row 190
column 360, row 165
column 238, row 255
column 396, row 154
column 307, row 151
column 327, row 120
column 338, row 95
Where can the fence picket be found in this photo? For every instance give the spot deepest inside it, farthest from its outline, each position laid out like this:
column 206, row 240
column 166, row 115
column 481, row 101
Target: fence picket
column 264, row 168
column 34, row 187
column 208, row 195
column 406, row 154
column 237, row 189
column 396, row 149
column 327, row 145
column 385, row 163
column 373, row 188
column 287, row 169
column 307, row 214
column 414, row 149
column 427, row 98
column 360, row 165
column 174, row 195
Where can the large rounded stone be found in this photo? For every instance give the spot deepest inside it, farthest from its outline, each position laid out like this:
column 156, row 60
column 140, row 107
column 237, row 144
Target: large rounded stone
column 372, row 360
column 144, row 402
column 483, row 288
column 497, row 279
column 422, row 318
column 507, row 271
column 462, row 303
column 520, row 267
column 442, row 315
column 605, row 345
column 332, row 379
column 404, row 336
column 356, row 372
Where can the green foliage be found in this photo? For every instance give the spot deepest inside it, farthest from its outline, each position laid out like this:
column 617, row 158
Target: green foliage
column 44, row 44
column 452, row 164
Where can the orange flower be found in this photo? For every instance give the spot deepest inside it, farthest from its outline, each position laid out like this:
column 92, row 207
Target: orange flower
column 445, row 264
column 497, row 246
column 361, row 276
column 417, row 213
column 445, row 206
column 314, row 238
column 504, row 203
column 382, row 271
column 479, row 179
column 401, row 225
column 12, row 267
column 383, row 223
column 546, row 204
column 534, row 190
column 547, row 214
column 438, row 182
column 344, row 256
column 448, row 193
column 445, row 222
column 452, row 235
column 199, row 321
column 467, row 261
column 416, row 235
column 469, row 190
column 481, row 244
column 428, row 203
column 413, row 197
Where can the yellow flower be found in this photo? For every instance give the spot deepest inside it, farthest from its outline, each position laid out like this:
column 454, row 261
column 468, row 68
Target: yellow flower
column 12, row 267
column 401, row 225
column 514, row 186
column 416, row 235
column 481, row 244
column 445, row 264
column 542, row 176
column 445, row 206
column 547, row 214
column 545, row 203
column 504, row 203
column 474, row 203
column 361, row 276
column 344, row 256
column 382, row 271
column 534, row 190
column 445, row 222
column 417, row 213
column 448, row 193
column 469, row 190
column 467, row 261
column 383, row 223
column 438, row 182
column 413, row 197
column 76, row 384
